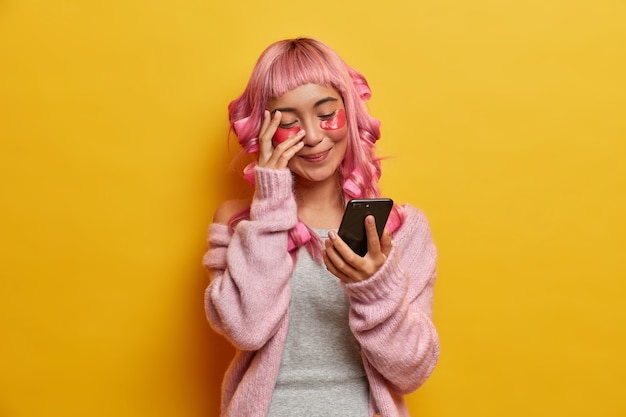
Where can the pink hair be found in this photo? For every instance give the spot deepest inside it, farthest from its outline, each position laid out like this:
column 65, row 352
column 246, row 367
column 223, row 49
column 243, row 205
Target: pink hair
column 286, row 65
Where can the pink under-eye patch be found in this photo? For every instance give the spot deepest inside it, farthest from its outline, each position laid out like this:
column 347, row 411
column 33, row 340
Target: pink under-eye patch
column 336, row 122
column 284, row 133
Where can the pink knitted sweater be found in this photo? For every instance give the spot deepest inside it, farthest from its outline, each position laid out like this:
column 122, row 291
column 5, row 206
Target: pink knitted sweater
column 247, row 301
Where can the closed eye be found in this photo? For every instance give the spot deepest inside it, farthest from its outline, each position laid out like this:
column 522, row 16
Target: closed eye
column 287, row 125
column 328, row 116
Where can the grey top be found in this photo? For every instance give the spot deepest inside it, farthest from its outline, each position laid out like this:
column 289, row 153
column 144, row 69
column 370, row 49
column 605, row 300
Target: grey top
column 321, row 372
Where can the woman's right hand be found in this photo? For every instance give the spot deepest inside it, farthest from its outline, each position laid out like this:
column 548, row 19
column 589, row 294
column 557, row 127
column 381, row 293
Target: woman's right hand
column 276, row 157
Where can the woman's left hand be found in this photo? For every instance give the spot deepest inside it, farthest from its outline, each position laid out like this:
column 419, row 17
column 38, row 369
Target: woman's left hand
column 342, row 262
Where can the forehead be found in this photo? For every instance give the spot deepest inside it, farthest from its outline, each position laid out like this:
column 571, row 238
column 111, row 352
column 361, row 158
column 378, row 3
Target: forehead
column 304, row 96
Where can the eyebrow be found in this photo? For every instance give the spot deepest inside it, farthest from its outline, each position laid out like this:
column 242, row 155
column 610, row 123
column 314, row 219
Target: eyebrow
column 317, row 104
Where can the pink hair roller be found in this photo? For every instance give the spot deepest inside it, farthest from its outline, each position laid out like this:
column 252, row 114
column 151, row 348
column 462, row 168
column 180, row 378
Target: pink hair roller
column 246, row 135
column 248, row 172
column 298, row 236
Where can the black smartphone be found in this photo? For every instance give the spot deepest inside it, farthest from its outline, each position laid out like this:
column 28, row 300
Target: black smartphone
column 352, row 228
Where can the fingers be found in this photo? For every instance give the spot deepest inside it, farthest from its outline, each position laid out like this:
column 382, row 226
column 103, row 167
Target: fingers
column 287, row 150
column 385, row 243
column 276, row 157
column 269, row 125
column 376, row 247
column 336, row 262
column 373, row 243
column 342, row 262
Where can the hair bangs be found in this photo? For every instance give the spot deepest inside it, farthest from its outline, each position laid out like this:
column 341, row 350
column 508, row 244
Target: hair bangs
column 300, row 65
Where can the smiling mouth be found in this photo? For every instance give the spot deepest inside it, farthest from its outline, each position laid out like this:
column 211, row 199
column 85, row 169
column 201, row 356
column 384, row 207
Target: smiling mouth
column 318, row 157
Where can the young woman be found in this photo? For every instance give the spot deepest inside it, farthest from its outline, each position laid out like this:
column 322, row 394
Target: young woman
column 318, row 329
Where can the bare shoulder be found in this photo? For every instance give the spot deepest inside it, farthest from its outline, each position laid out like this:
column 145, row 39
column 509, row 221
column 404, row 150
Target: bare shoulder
column 228, row 209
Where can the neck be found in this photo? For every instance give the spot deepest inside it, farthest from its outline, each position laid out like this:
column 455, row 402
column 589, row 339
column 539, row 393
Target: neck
column 320, row 204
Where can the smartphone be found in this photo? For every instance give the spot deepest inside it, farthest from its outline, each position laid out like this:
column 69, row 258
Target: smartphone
column 352, row 228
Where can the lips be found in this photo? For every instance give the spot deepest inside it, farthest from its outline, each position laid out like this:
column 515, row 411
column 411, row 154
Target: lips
column 315, row 158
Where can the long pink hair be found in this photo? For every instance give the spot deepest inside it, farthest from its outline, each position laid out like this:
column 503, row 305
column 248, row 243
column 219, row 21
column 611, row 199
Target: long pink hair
column 288, row 64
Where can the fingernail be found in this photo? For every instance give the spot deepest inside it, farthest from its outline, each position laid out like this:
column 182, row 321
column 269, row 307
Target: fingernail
column 369, row 219
column 332, row 235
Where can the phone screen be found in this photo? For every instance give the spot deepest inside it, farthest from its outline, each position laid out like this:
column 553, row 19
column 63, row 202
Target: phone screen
column 352, row 228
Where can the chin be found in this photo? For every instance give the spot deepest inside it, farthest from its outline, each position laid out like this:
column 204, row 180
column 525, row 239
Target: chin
column 316, row 175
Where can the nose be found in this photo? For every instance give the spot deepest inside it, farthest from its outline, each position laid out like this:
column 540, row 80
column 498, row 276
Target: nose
column 314, row 133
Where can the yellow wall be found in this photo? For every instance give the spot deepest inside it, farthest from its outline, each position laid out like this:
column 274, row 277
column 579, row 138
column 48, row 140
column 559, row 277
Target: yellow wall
column 503, row 120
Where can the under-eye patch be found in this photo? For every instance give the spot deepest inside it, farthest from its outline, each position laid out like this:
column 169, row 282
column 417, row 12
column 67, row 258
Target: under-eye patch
column 284, row 133
column 335, row 122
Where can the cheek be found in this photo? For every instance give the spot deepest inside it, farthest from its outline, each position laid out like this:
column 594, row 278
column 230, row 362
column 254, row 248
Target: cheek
column 338, row 135
column 282, row 135
column 336, row 122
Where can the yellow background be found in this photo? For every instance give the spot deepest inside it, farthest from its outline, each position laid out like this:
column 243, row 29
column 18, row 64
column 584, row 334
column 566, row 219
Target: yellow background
column 503, row 120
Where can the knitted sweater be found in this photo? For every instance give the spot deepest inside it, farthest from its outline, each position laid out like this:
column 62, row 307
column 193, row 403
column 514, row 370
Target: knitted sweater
column 248, row 298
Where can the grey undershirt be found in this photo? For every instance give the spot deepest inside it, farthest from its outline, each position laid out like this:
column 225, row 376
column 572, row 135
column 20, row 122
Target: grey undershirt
column 321, row 373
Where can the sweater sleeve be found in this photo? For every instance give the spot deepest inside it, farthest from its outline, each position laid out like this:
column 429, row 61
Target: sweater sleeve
column 250, row 269
column 391, row 312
